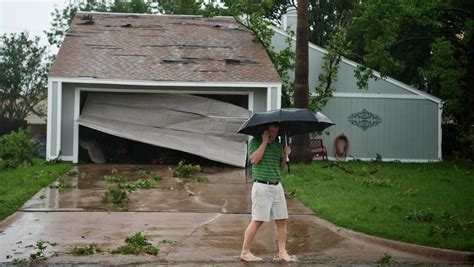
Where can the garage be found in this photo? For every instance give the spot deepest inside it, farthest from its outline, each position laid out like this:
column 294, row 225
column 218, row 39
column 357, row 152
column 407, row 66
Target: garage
column 174, row 84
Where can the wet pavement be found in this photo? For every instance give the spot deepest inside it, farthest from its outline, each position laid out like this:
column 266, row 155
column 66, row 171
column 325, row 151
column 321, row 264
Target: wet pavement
column 204, row 222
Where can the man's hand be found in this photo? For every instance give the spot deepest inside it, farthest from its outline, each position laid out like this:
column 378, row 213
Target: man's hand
column 265, row 136
column 287, row 151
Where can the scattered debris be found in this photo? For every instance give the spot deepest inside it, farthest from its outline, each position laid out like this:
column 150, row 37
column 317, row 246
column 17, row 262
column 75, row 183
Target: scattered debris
column 136, row 244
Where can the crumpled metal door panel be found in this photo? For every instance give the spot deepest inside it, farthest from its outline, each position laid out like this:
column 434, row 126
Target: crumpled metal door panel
column 193, row 124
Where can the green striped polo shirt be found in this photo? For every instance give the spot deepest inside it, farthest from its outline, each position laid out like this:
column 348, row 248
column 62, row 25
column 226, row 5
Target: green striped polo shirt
column 268, row 168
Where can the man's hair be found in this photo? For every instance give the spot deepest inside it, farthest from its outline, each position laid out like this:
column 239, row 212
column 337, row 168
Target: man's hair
column 276, row 124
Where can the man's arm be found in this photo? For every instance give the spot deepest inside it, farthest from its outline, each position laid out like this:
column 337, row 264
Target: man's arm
column 286, row 154
column 258, row 154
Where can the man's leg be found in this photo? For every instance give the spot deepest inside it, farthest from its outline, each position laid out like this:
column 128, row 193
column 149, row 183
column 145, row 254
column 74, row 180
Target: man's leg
column 281, row 237
column 250, row 233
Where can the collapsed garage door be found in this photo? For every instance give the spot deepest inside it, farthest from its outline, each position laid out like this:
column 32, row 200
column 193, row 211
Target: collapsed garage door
column 188, row 123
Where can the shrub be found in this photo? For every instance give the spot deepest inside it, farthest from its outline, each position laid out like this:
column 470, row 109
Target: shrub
column 114, row 195
column 87, row 250
column 136, row 244
column 16, row 148
column 185, row 170
column 202, row 179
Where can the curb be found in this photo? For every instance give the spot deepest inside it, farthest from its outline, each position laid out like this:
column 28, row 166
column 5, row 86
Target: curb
column 431, row 252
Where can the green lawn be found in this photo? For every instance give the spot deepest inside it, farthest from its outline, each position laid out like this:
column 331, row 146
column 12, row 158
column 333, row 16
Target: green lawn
column 20, row 184
column 430, row 204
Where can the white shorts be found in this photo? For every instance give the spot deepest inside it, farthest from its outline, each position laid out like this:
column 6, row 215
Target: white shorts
column 268, row 202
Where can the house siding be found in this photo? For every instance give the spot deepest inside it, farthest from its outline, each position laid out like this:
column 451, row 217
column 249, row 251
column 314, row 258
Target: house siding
column 410, row 124
column 67, row 120
column 52, row 129
column 405, row 131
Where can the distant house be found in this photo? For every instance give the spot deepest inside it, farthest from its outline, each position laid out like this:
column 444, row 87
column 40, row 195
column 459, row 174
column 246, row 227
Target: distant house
column 37, row 123
column 390, row 119
column 181, row 82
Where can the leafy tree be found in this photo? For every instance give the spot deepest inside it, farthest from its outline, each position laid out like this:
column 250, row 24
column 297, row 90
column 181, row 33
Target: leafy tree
column 180, row 7
column 327, row 21
column 338, row 46
column 62, row 18
column 427, row 44
column 60, row 24
column 23, row 79
column 120, row 6
column 324, row 16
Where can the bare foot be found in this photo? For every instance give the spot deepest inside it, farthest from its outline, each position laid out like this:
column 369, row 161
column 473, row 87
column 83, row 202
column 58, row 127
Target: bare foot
column 247, row 256
column 284, row 256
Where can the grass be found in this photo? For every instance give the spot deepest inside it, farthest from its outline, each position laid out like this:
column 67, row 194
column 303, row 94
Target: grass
column 430, row 204
column 20, row 184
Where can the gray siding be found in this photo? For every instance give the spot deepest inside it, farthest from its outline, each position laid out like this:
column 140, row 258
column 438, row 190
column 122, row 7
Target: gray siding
column 346, row 83
column 260, row 101
column 67, row 120
column 408, row 129
column 274, row 97
column 346, row 80
column 54, row 119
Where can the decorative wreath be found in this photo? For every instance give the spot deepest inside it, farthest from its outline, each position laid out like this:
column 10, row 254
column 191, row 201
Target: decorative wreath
column 341, row 155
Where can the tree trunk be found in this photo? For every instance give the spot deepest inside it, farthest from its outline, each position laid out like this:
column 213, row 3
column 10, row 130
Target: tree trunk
column 470, row 97
column 301, row 151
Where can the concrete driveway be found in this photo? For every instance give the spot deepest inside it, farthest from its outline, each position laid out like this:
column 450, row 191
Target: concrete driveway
column 205, row 223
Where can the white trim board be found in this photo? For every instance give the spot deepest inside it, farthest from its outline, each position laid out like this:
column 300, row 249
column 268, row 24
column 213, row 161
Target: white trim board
column 67, row 158
column 75, row 140
column 59, row 118
column 251, row 101
column 367, row 95
column 262, row 85
column 49, row 120
column 376, row 73
column 440, row 131
column 279, row 95
column 269, row 98
column 158, row 91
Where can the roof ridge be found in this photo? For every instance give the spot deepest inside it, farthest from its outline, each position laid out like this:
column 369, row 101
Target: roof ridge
column 145, row 14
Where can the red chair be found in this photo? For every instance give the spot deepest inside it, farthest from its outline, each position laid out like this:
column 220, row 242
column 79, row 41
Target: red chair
column 318, row 149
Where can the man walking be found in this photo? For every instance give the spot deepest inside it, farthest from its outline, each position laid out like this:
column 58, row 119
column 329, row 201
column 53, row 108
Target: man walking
column 268, row 197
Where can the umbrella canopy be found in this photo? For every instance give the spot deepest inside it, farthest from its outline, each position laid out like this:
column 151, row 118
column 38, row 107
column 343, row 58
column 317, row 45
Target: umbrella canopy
column 292, row 121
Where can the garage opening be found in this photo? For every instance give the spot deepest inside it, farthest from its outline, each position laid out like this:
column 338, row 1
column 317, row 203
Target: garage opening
column 162, row 128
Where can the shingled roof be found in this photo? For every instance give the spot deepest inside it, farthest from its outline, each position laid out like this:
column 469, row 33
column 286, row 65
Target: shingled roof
column 162, row 48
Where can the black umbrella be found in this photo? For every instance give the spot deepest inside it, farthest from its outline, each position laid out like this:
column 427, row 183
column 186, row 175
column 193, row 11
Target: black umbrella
column 292, row 121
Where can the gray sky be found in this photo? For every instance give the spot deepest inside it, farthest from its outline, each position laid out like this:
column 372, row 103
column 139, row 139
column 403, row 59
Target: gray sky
column 31, row 15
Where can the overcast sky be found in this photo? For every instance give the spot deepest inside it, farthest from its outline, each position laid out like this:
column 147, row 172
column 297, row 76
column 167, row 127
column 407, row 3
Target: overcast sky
column 31, row 15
